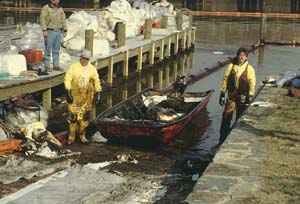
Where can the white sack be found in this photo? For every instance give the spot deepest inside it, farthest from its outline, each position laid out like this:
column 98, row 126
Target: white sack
column 74, row 25
column 13, row 64
column 76, row 43
column 101, row 47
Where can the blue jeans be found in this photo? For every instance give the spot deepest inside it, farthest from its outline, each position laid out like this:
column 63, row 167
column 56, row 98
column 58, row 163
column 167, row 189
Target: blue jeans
column 52, row 44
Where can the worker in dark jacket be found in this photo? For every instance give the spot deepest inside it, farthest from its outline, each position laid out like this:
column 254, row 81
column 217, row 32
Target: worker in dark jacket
column 53, row 23
column 238, row 82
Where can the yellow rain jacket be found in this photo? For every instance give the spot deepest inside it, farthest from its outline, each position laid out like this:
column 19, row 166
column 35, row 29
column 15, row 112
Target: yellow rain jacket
column 83, row 82
column 245, row 70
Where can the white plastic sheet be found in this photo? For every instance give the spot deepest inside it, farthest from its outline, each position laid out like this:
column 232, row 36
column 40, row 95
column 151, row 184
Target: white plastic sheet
column 77, row 185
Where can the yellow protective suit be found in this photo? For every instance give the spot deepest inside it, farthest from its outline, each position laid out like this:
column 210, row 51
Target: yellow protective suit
column 239, row 70
column 239, row 82
column 84, row 83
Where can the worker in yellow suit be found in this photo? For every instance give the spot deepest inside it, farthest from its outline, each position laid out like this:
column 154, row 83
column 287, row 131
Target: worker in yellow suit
column 82, row 85
column 239, row 83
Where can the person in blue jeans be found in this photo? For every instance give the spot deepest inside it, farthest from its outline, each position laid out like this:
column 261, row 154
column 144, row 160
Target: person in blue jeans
column 54, row 27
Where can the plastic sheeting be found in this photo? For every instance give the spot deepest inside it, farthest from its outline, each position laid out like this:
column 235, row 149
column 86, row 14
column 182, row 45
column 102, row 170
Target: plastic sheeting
column 32, row 38
column 80, row 185
column 17, row 168
column 287, row 78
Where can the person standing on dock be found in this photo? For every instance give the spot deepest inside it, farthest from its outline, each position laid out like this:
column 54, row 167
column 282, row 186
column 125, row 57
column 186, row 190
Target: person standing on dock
column 82, row 85
column 53, row 24
column 239, row 82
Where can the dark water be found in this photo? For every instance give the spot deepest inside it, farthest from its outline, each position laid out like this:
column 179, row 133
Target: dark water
column 217, row 39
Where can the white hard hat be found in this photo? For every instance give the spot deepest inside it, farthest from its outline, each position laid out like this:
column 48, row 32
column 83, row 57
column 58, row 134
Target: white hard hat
column 86, row 54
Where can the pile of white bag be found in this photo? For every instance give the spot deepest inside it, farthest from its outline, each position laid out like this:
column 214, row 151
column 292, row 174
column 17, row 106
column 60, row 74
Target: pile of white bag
column 103, row 22
column 81, row 21
column 32, row 38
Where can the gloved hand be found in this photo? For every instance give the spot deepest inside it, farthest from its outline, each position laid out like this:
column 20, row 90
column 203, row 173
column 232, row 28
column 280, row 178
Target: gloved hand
column 69, row 96
column 97, row 97
column 222, row 99
column 248, row 100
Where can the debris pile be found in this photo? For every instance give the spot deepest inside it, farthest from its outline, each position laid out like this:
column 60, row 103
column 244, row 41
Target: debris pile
column 23, row 128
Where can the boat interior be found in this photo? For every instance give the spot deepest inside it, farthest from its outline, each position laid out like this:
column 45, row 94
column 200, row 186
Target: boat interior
column 153, row 106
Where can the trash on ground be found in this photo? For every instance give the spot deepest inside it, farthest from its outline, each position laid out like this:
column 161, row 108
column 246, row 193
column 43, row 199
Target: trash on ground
column 263, row 104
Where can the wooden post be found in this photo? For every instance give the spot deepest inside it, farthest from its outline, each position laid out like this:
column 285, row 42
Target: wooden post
column 167, row 73
column 150, row 80
column 189, row 40
column 89, row 40
column 148, row 29
column 93, row 112
column 138, row 84
column 183, row 40
column 168, row 50
column 164, row 22
column 179, row 21
column 263, row 24
column 109, row 101
column 47, row 101
column 190, row 19
column 188, row 63
column 20, row 27
column 110, row 71
column 191, row 60
column 151, row 53
column 161, row 49
column 160, row 78
column 182, row 64
column 121, row 34
column 124, row 92
column 125, row 64
column 261, row 54
column 175, row 66
column 193, row 36
column 176, row 46
column 96, row 4
column 140, row 59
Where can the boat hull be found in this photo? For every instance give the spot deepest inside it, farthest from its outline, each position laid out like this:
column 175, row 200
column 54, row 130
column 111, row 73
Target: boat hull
column 159, row 131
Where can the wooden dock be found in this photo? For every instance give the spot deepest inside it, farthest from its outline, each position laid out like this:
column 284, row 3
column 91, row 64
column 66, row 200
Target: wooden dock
column 155, row 47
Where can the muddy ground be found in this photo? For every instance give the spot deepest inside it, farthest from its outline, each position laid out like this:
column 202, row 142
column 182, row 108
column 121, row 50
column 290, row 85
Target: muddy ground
column 149, row 174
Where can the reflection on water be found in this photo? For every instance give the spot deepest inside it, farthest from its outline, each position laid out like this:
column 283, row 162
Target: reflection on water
column 154, row 77
column 244, row 31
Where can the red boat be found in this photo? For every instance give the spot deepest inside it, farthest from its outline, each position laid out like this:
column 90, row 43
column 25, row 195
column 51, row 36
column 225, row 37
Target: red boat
column 151, row 114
